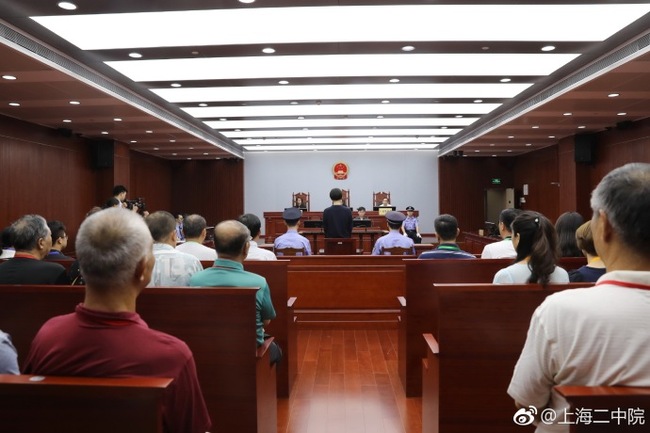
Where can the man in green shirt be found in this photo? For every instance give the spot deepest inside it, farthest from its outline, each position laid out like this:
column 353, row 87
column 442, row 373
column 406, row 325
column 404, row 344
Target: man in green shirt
column 231, row 239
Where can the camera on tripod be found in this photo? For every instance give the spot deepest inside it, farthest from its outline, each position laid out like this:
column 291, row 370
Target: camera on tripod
column 138, row 202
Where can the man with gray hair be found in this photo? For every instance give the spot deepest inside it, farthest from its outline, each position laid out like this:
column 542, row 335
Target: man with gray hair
column 32, row 241
column 231, row 241
column 195, row 230
column 597, row 335
column 105, row 336
column 173, row 267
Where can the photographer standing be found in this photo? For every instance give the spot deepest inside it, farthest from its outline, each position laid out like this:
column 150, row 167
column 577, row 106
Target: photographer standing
column 119, row 192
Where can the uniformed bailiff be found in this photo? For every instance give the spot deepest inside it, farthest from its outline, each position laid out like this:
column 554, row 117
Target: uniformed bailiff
column 394, row 238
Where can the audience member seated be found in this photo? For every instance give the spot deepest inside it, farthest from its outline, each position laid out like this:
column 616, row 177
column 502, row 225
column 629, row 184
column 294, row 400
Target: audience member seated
column 337, row 219
column 59, row 241
column 536, row 243
column 599, row 335
column 195, row 230
column 8, row 250
column 394, row 238
column 8, row 355
column 254, row 225
column 231, row 241
column 595, row 268
column 504, row 248
column 172, row 267
column 566, row 226
column 180, row 235
column 410, row 226
column 32, row 240
column 105, row 336
column 292, row 239
column 361, row 214
column 446, row 227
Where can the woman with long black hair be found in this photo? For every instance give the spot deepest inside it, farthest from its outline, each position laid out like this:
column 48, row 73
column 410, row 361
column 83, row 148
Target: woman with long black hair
column 536, row 243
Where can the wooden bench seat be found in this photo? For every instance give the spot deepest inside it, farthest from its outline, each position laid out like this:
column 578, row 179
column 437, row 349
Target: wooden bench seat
column 52, row 404
column 481, row 330
column 605, row 402
column 218, row 324
column 418, row 306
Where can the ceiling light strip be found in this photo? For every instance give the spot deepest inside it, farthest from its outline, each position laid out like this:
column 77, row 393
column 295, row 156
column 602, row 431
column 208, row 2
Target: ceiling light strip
column 339, row 147
column 348, row 140
column 338, row 132
column 623, row 54
column 38, row 51
column 420, row 122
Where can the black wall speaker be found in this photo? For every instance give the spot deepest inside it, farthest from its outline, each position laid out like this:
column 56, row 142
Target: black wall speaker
column 585, row 148
column 101, row 152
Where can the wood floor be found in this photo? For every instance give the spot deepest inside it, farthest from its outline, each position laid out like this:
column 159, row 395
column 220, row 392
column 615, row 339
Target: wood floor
column 348, row 383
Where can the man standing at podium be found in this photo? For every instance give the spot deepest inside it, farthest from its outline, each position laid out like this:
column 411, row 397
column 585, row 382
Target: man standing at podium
column 337, row 219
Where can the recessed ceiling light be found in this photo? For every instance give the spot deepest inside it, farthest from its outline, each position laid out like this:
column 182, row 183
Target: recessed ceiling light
column 529, row 144
column 189, row 159
column 458, row 116
column 172, row 141
column 283, row 82
column 75, row 102
column 176, row 85
column 294, row 102
column 268, row 50
column 301, row 118
column 494, row 156
column 117, row 119
column 491, row 144
column 174, row 154
column 203, row 104
column 613, row 95
column 443, row 127
column 156, row 148
column 148, row 132
column 567, row 114
column 191, row 148
column 581, row 127
column 14, row 104
column 133, row 141
column 408, row 48
column 385, row 101
column 548, row 48
column 509, row 150
column 9, row 77
column 135, row 55
column 67, row 121
column 104, row 132
column 394, row 80
column 477, row 151
column 380, row 117
column 511, row 136
column 205, row 153
column 246, row 1
column 68, row 6
column 621, row 114
column 551, row 136
column 535, row 127
column 505, row 80
column 223, row 119
column 478, row 101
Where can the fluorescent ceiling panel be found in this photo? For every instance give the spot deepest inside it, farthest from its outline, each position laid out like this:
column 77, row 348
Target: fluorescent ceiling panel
column 350, row 91
column 339, row 110
column 337, row 147
column 308, row 140
column 340, row 123
column 408, row 23
column 338, row 132
column 341, row 65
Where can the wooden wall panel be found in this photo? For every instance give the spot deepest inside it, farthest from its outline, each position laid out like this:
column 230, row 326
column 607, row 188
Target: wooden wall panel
column 214, row 189
column 462, row 184
column 540, row 171
column 44, row 172
column 151, row 179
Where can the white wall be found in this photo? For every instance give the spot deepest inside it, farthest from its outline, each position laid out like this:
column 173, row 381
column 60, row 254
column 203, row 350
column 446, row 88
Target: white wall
column 411, row 177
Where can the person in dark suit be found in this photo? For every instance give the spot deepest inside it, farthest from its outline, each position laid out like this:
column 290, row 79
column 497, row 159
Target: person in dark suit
column 32, row 240
column 337, row 219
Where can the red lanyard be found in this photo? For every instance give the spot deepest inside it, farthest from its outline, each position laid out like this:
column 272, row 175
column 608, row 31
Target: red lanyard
column 624, row 284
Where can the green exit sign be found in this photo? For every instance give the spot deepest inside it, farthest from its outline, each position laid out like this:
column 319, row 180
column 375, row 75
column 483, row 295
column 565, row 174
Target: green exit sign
column 496, row 181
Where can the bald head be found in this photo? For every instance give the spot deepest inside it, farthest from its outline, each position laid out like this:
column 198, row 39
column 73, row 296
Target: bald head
column 109, row 246
column 231, row 239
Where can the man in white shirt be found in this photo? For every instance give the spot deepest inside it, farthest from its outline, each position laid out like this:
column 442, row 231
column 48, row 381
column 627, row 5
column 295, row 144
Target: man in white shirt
column 504, row 248
column 195, row 229
column 598, row 335
column 172, row 267
column 255, row 225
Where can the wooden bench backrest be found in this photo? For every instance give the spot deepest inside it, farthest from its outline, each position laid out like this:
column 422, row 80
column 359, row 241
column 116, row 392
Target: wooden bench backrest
column 76, row 404
column 417, row 318
column 218, row 324
column 481, row 331
column 607, row 400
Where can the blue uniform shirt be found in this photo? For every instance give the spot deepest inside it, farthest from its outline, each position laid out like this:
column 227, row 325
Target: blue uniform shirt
column 292, row 239
column 393, row 239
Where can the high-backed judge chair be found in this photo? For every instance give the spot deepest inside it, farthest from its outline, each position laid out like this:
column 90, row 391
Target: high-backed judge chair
column 396, row 251
column 346, row 197
column 279, row 252
column 340, row 246
column 378, row 197
column 305, row 199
